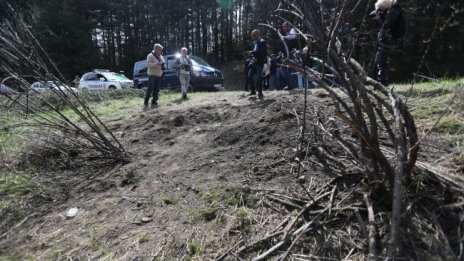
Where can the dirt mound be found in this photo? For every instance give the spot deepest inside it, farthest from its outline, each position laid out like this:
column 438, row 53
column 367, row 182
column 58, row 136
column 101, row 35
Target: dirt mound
column 202, row 176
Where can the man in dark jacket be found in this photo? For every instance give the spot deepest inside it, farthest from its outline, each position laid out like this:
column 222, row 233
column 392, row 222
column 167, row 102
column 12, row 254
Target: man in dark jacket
column 387, row 13
column 259, row 52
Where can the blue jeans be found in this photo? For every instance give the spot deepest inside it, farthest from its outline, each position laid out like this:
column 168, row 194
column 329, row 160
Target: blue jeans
column 381, row 65
column 292, row 80
column 153, row 89
column 272, row 82
column 259, row 81
column 280, row 78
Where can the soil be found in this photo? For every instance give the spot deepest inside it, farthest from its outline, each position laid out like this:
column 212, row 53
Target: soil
column 194, row 186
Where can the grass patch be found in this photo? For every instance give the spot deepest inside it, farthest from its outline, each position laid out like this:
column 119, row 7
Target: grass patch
column 243, row 219
column 450, row 125
column 13, row 187
column 194, row 249
column 208, row 214
column 144, row 238
column 168, row 200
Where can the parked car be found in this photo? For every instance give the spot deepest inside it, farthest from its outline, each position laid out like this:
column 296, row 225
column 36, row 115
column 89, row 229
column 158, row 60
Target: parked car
column 42, row 87
column 7, row 90
column 104, row 80
column 204, row 76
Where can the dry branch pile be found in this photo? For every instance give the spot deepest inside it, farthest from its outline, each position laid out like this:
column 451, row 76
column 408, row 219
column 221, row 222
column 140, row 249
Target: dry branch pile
column 372, row 134
column 60, row 140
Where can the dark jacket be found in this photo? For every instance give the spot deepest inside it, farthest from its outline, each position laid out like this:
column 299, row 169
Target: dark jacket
column 260, row 51
column 389, row 22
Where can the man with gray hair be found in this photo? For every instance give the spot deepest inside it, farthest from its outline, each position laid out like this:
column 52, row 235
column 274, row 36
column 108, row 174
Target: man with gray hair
column 388, row 14
column 156, row 67
column 183, row 64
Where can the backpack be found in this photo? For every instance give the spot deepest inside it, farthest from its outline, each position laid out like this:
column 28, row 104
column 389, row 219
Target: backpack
column 399, row 30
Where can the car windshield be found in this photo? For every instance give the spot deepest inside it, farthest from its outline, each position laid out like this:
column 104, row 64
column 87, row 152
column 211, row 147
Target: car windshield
column 56, row 84
column 198, row 61
column 115, row 77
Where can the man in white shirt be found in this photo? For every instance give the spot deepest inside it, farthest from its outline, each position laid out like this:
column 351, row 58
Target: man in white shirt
column 183, row 65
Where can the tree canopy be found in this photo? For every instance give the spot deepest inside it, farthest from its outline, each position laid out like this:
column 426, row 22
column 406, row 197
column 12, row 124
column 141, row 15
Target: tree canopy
column 84, row 34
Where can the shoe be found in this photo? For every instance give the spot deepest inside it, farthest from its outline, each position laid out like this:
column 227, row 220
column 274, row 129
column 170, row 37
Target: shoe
column 252, row 93
column 154, row 105
column 260, row 96
column 184, row 96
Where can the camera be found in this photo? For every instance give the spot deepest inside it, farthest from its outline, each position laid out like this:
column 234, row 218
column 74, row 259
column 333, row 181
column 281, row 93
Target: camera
column 375, row 13
column 185, row 67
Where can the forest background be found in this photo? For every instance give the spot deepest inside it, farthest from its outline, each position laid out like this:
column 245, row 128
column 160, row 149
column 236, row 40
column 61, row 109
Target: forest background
column 81, row 35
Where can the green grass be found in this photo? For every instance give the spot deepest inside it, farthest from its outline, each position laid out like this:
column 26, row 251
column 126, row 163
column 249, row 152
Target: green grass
column 13, row 187
column 450, row 125
column 423, row 88
column 194, row 249
column 429, row 101
column 243, row 219
column 207, row 214
column 168, row 200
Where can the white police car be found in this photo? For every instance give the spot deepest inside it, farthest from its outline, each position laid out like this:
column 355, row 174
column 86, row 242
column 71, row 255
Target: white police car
column 104, row 80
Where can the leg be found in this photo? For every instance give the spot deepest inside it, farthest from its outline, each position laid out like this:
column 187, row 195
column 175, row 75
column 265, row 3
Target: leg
column 183, row 83
column 272, row 82
column 156, row 88
column 381, row 65
column 251, row 75
column 150, row 89
column 259, row 80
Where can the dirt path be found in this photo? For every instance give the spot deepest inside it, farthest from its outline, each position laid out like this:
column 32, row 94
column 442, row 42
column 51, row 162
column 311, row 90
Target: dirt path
column 189, row 191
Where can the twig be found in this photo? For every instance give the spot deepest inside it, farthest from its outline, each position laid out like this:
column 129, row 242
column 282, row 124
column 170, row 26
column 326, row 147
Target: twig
column 228, row 251
column 17, row 225
column 373, row 253
column 331, row 199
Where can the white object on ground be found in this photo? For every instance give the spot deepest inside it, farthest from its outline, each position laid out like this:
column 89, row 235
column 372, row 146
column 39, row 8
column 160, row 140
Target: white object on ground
column 72, row 212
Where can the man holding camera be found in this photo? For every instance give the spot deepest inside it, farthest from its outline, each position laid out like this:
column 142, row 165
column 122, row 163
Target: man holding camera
column 388, row 14
column 156, row 67
column 183, row 65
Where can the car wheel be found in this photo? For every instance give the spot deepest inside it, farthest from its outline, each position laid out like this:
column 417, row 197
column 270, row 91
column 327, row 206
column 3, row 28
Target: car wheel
column 112, row 87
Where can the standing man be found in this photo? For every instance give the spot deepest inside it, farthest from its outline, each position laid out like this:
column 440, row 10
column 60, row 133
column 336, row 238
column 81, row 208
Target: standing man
column 388, row 14
column 259, row 52
column 156, row 67
column 290, row 37
column 183, row 65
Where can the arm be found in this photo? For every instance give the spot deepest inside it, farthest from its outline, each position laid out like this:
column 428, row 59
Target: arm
column 152, row 62
column 261, row 51
column 391, row 20
column 292, row 35
column 177, row 63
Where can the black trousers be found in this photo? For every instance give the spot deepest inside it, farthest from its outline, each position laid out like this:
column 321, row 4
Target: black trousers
column 153, row 89
column 259, row 80
column 381, row 65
